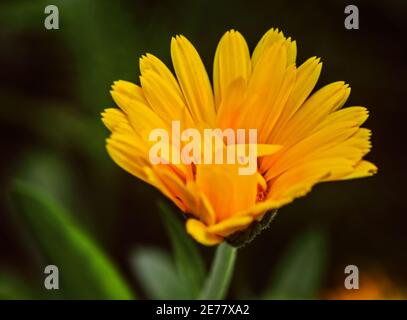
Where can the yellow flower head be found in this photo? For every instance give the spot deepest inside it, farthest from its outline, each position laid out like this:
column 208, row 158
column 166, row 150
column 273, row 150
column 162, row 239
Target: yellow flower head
column 302, row 138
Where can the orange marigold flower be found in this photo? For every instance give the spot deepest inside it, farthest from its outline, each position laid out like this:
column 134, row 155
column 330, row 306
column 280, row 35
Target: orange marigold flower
column 302, row 138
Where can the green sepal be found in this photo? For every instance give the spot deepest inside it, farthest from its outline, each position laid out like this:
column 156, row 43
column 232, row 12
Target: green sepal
column 242, row 238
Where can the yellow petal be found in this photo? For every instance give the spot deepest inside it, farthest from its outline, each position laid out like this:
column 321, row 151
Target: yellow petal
column 163, row 99
column 127, row 157
column 271, row 37
column 299, row 180
column 319, row 141
column 229, row 226
column 174, row 182
column 130, row 90
column 261, row 182
column 358, row 115
column 154, row 179
column 227, row 190
column 278, row 104
column 261, row 208
column 268, row 73
column 205, row 210
column 313, row 111
column 229, row 111
column 232, row 62
column 114, row 119
column 363, row 169
column 152, row 63
column 267, row 149
column 261, row 148
column 193, row 79
column 263, row 98
column 306, row 78
column 354, row 148
column 200, row 233
column 141, row 117
column 162, row 91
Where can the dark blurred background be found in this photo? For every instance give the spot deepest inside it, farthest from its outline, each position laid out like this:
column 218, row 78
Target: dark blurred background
column 55, row 83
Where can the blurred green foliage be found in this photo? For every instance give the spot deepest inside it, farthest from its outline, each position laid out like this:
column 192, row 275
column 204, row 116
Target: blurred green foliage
column 86, row 272
column 189, row 263
column 157, row 274
column 298, row 275
column 163, row 277
column 300, row 272
column 13, row 288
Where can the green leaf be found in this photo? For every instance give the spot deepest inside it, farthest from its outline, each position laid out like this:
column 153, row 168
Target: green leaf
column 47, row 171
column 157, row 274
column 218, row 281
column 299, row 274
column 189, row 264
column 12, row 288
column 84, row 270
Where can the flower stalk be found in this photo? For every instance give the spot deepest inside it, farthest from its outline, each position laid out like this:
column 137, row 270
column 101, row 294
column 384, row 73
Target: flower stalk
column 218, row 281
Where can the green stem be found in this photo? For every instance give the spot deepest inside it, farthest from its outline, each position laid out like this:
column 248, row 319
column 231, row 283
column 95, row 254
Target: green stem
column 218, row 281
